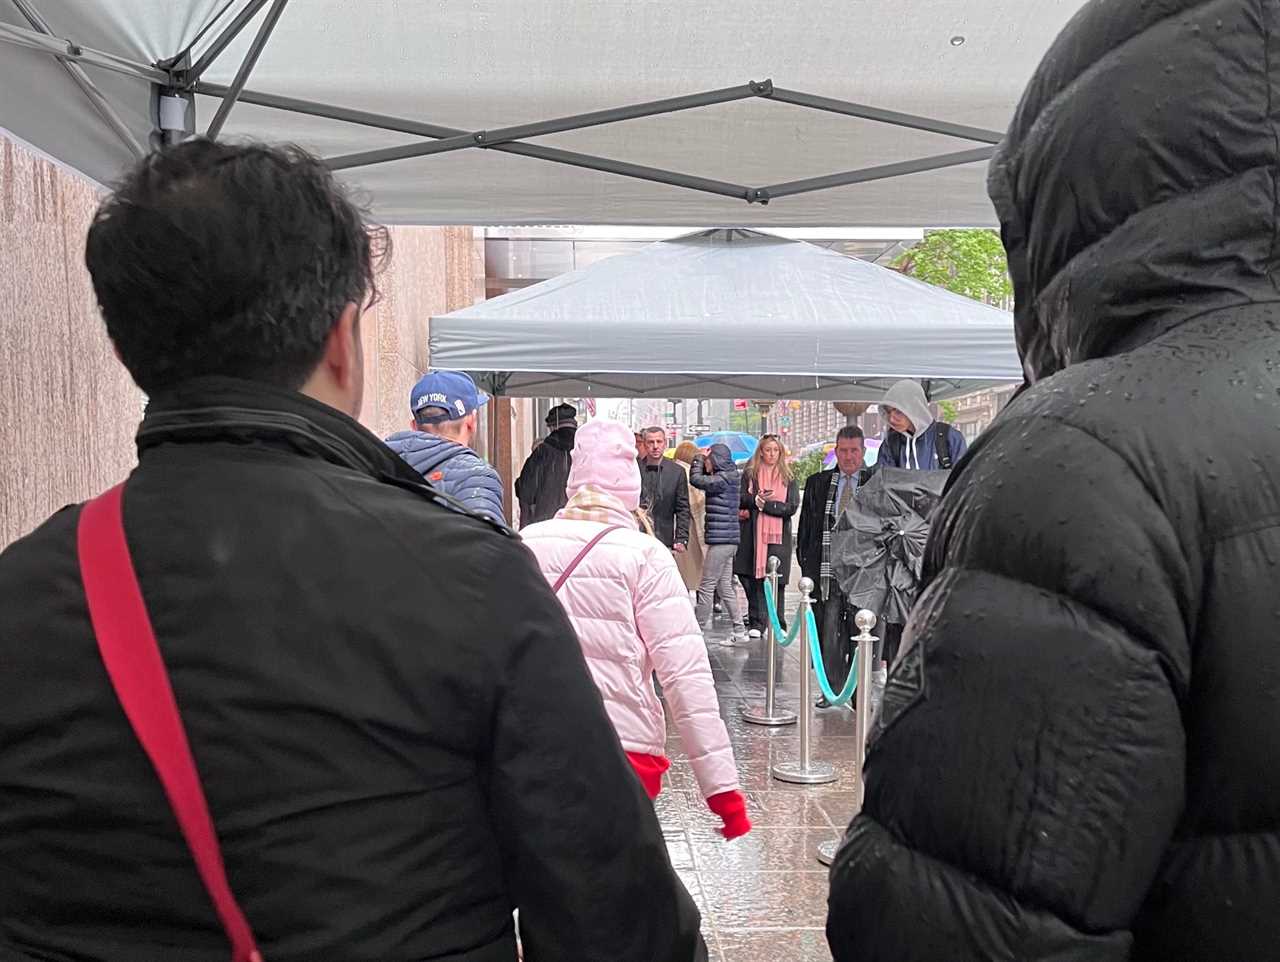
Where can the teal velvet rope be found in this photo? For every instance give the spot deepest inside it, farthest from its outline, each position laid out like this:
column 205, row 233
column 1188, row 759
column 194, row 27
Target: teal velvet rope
column 783, row 638
column 815, row 649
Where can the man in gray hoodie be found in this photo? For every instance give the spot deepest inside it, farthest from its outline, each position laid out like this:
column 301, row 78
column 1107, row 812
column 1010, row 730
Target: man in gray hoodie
column 914, row 439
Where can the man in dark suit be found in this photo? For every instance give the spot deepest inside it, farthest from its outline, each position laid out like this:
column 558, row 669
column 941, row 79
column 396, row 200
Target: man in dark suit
column 664, row 491
column 827, row 495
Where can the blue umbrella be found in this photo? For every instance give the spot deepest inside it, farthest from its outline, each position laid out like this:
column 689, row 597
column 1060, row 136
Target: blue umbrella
column 740, row 445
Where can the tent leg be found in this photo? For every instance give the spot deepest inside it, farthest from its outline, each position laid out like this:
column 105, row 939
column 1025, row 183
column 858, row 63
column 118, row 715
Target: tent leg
column 173, row 111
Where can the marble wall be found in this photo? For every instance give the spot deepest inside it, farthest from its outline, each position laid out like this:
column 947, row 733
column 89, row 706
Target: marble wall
column 68, row 410
column 433, row 270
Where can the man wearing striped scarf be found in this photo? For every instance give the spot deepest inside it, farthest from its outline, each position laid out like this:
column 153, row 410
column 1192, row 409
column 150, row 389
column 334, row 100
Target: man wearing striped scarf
column 827, row 495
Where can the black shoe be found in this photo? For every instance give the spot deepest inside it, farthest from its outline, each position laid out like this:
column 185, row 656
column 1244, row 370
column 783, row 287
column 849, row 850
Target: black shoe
column 822, row 703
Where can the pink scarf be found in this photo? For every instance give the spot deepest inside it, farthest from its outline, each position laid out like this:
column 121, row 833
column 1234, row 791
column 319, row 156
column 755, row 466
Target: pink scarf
column 768, row 526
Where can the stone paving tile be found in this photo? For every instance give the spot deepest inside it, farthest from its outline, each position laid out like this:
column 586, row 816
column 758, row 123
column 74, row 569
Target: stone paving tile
column 785, row 945
column 770, row 809
column 839, row 808
column 680, row 850
column 792, row 849
column 671, row 807
column 739, row 899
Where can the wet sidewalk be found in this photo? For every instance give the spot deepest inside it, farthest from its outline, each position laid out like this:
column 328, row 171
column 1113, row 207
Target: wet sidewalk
column 764, row 896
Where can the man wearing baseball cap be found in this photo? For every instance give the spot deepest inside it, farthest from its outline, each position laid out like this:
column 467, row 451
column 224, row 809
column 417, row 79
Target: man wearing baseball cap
column 438, row 442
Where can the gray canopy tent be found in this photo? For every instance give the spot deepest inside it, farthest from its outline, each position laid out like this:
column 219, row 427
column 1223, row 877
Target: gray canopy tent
column 431, row 107
column 736, row 313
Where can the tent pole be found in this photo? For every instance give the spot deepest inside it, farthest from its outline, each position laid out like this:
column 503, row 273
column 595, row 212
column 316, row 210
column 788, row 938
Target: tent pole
column 489, row 138
column 894, row 117
column 87, row 86
column 760, row 195
column 67, row 51
column 883, row 172
column 223, row 39
column 246, row 67
column 536, row 151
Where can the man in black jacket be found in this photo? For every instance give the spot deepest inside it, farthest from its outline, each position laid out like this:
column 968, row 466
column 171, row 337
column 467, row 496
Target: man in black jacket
column 541, row 487
column 827, row 495
column 1077, row 754
column 664, row 491
column 399, row 740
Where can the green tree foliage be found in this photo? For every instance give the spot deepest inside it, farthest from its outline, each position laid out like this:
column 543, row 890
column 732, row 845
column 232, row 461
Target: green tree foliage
column 803, row 467
column 968, row 262
column 949, row 411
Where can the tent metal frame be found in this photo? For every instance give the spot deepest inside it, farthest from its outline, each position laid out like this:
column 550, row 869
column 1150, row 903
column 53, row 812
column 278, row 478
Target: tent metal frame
column 497, row 382
column 178, row 77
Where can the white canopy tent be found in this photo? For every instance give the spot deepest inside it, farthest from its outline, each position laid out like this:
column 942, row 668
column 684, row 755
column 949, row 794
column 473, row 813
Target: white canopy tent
column 729, row 313
column 708, row 139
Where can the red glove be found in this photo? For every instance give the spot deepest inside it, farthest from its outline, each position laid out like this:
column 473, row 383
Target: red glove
column 732, row 809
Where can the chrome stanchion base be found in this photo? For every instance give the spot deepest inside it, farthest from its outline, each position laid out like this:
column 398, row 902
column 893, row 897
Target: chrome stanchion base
column 827, row 852
column 756, row 715
column 818, row 773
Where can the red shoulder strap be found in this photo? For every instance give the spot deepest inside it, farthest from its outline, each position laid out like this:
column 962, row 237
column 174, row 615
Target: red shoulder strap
column 564, row 575
column 132, row 658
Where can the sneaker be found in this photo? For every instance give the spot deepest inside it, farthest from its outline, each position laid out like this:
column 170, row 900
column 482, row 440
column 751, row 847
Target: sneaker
column 728, row 641
column 754, row 633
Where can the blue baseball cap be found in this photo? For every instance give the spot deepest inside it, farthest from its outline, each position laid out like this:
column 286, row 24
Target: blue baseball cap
column 452, row 392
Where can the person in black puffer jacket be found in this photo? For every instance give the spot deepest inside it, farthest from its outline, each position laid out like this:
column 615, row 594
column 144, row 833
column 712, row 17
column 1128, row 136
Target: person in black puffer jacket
column 720, row 478
column 540, row 489
column 1077, row 753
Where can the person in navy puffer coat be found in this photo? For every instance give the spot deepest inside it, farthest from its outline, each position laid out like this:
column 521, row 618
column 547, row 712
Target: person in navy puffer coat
column 444, row 405
column 720, row 478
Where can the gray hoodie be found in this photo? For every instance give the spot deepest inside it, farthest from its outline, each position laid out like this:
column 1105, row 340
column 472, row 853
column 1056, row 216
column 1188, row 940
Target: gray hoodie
column 919, row 451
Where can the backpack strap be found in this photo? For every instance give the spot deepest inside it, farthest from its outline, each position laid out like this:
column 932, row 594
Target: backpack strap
column 941, row 444
column 132, row 658
column 564, row 575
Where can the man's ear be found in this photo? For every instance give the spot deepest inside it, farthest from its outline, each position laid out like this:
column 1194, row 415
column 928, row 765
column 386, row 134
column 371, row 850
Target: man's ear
column 338, row 379
column 343, row 356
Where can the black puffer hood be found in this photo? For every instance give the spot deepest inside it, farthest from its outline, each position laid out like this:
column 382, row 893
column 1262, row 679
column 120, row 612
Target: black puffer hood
column 1137, row 184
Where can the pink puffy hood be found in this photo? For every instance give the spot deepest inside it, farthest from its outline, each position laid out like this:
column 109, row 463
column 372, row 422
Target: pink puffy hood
column 604, row 457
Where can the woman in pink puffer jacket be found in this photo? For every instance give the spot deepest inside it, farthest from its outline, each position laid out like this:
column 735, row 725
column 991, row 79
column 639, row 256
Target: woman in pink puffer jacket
column 628, row 603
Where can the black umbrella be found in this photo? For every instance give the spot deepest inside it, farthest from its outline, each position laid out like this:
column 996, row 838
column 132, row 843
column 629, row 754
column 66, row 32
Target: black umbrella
column 877, row 547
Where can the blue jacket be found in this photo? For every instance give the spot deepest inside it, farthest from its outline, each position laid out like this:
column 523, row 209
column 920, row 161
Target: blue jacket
column 722, row 494
column 893, row 452
column 454, row 469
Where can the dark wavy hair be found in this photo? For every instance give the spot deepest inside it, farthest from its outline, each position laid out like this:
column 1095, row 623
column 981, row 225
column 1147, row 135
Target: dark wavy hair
column 229, row 259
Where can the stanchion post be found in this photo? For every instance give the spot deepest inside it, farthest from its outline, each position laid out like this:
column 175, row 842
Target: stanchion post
column 865, row 620
column 804, row 771
column 771, row 665
column 770, row 715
